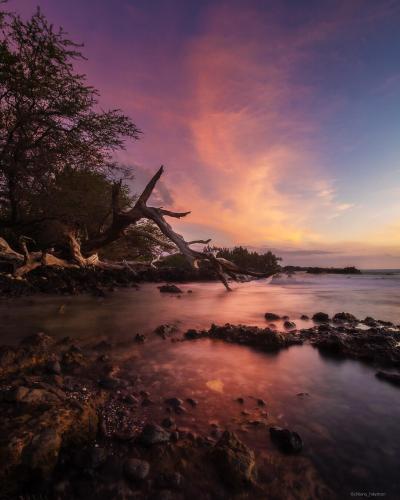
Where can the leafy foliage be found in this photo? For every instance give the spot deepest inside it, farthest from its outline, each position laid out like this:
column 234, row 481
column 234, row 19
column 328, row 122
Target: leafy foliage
column 49, row 115
column 253, row 261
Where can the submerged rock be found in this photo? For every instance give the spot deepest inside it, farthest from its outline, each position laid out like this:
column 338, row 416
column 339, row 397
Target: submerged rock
column 288, row 441
column 234, row 461
column 289, row 325
column 304, row 317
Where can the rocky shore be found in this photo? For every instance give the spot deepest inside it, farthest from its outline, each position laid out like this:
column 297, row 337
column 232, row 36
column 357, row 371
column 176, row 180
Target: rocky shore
column 93, row 280
column 74, row 424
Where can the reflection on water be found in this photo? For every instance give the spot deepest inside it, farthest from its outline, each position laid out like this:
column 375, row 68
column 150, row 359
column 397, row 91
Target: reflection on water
column 349, row 421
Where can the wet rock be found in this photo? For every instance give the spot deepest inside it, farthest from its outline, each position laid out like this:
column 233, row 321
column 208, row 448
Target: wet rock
column 303, row 395
column 168, row 422
column 192, row 334
column 288, row 441
column 234, row 461
column 153, row 434
column 192, row 402
column 109, row 383
column 139, row 338
column 169, row 289
column 136, row 469
column 344, row 317
column 240, row 401
column 271, row 316
column 165, row 331
column 370, row 322
column 289, row 325
column 393, row 378
column 304, row 317
column 286, row 317
column 261, row 402
column 174, row 402
column 321, row 317
column 170, row 480
column 54, row 367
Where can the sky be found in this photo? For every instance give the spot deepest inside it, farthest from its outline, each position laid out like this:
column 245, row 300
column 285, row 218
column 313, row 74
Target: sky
column 278, row 122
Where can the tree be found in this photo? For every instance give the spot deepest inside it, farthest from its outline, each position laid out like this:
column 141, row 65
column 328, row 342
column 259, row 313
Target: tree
column 56, row 165
column 49, row 116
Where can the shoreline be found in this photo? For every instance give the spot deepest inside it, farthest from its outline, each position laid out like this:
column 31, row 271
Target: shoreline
column 72, row 417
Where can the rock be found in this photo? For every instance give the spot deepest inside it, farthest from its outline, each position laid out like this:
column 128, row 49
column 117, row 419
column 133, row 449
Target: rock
column 289, row 325
column 285, row 317
column 38, row 340
column 234, row 461
column 147, row 402
column 169, row 289
column 344, row 317
column 171, row 480
column 393, row 378
column 303, row 395
column 370, row 321
column 304, row 317
column 240, row 401
column 139, row 338
column 286, row 440
column 192, row 402
column 174, row 402
column 131, row 400
column 192, row 334
column 165, row 330
column 168, row 422
column 136, row 469
column 321, row 317
column 261, row 402
column 271, row 316
column 153, row 434
column 54, row 367
column 109, row 383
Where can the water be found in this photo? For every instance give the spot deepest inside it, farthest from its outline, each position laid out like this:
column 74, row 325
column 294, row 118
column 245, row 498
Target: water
column 349, row 421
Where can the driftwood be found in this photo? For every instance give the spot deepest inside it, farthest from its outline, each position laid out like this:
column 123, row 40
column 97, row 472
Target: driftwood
column 83, row 254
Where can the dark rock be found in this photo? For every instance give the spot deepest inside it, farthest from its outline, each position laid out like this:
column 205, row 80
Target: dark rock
column 234, row 460
column 153, row 434
column 192, row 334
column 286, row 317
column 168, row 422
column 136, row 469
column 240, row 400
column 131, row 400
column 109, row 383
column 344, row 317
column 286, row 440
column 393, row 378
column 303, row 395
column 321, row 317
column 174, row 402
column 165, row 331
column 271, row 316
column 289, row 325
column 304, row 317
column 169, row 289
column 261, row 402
column 139, row 338
column 54, row 367
column 172, row 480
column 192, row 402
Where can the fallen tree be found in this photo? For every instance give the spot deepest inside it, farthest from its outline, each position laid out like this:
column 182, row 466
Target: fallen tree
column 72, row 252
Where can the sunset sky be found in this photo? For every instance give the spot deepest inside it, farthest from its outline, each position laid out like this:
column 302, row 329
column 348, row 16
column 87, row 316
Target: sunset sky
column 278, row 122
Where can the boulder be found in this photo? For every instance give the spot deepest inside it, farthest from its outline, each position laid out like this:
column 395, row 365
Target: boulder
column 289, row 325
column 136, row 469
column 321, row 317
column 234, row 461
column 287, row 441
column 344, row 317
column 153, row 434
